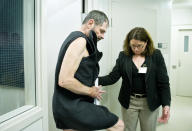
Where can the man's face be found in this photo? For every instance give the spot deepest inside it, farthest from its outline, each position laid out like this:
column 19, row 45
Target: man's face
column 100, row 30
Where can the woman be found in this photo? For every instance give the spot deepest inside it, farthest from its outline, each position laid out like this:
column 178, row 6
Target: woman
column 145, row 83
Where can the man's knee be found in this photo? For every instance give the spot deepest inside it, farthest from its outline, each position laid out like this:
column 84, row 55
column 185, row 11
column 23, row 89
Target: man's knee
column 119, row 126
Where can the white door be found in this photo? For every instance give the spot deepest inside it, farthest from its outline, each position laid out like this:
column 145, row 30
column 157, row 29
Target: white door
column 185, row 63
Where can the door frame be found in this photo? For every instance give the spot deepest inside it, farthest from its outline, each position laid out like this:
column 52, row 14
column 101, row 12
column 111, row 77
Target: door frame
column 181, row 91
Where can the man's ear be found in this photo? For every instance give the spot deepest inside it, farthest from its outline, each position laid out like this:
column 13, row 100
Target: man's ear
column 91, row 23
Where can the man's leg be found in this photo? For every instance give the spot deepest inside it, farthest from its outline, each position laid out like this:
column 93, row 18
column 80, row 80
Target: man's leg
column 119, row 126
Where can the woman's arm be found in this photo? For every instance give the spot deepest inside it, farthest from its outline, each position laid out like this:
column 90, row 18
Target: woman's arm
column 163, row 81
column 113, row 76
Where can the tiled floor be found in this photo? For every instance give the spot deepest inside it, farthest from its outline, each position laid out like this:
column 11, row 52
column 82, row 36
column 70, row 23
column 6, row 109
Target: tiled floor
column 181, row 115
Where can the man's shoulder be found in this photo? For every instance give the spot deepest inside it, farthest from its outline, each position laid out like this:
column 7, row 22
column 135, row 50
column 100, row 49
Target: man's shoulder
column 80, row 41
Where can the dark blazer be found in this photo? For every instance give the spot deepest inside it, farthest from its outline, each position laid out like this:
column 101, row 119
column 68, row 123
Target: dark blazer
column 156, row 80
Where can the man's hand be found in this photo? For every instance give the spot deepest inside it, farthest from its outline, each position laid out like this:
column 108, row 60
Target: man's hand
column 96, row 92
column 165, row 115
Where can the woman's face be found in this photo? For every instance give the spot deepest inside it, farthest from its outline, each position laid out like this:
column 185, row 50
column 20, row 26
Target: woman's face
column 137, row 46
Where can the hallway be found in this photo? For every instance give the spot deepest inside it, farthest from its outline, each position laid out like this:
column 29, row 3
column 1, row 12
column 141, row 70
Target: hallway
column 181, row 115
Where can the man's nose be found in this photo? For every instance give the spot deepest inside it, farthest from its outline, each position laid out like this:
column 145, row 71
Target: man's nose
column 102, row 36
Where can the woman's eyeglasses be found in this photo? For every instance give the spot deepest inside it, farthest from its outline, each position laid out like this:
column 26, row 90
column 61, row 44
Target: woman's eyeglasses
column 137, row 46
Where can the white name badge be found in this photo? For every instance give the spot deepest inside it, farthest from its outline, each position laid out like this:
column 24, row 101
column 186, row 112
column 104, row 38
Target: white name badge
column 142, row 70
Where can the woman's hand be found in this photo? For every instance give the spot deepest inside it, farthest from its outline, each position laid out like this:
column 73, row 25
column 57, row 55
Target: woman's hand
column 165, row 115
column 96, row 92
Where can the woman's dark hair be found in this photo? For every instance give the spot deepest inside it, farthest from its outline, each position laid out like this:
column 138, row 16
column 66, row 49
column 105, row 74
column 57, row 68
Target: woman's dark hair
column 138, row 33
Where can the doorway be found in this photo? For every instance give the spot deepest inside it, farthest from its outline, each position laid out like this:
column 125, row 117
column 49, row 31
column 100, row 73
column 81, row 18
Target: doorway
column 184, row 62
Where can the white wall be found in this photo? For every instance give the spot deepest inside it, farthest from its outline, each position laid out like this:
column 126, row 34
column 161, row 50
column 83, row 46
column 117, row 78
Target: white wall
column 164, row 29
column 182, row 16
column 63, row 17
